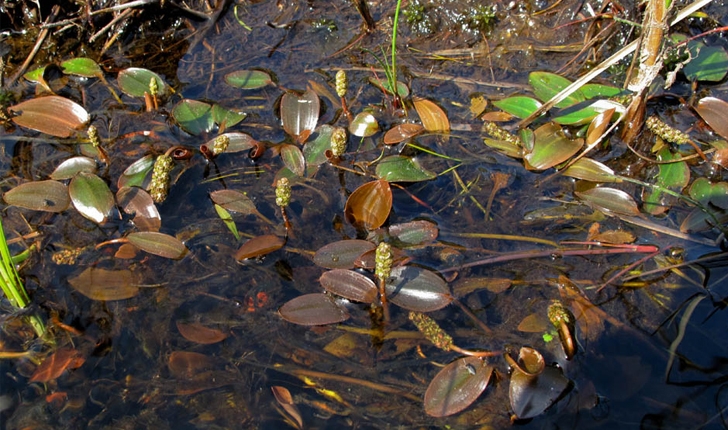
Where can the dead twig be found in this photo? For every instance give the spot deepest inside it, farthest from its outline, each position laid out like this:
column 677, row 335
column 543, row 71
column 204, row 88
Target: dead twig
column 41, row 38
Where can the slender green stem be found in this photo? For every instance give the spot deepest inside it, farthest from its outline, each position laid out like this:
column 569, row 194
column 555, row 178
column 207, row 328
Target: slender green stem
column 393, row 84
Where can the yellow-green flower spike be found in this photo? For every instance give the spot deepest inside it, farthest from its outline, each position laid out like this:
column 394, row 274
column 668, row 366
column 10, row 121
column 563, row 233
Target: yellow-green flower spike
column 558, row 314
column 153, row 87
column 499, row 133
column 338, row 142
column 667, row 133
column 383, row 261
column 93, row 136
column 283, row 192
column 159, row 186
column 220, row 144
column 432, row 332
column 341, row 83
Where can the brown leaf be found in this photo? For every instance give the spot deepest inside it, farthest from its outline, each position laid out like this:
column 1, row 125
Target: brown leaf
column 185, row 365
column 198, row 333
column 103, row 284
column 369, row 205
column 432, row 116
column 55, row 364
column 715, row 112
column 259, row 246
column 284, row 398
column 402, row 132
column 54, row 115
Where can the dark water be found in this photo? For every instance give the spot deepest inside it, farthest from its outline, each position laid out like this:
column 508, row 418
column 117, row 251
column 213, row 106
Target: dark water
column 617, row 377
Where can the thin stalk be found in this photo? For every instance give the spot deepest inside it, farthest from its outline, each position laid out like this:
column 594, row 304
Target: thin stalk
column 393, row 84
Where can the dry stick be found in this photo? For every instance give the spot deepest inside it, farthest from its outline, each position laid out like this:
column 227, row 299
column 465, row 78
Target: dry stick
column 626, row 269
column 108, row 26
column 349, row 380
column 41, row 37
column 131, row 4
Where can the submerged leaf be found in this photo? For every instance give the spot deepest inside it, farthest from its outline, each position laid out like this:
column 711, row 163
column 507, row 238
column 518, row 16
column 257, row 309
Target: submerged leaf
column 313, row 309
column 91, row 197
column 610, row 200
column 417, row 289
column 49, row 196
column 457, row 386
column 55, row 364
column 198, row 333
column 369, row 205
column 103, row 284
column 54, row 115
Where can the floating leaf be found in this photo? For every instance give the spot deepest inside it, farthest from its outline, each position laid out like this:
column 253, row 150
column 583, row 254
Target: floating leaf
column 228, row 220
column 103, row 284
column 703, row 191
column 248, row 79
column 673, row 176
column 417, row 289
column 313, row 309
column 349, row 285
column 707, row 63
column 187, row 364
column 54, row 115
column 414, row 232
column 591, row 170
column 532, row 395
column 610, row 200
column 238, row 142
column 137, row 202
column 457, row 386
column 136, row 173
column 402, row 89
column 342, row 254
column 590, row 91
column 49, row 196
column 159, row 244
column 299, row 114
column 369, row 205
column 91, row 197
column 551, row 147
column 259, row 246
column 314, row 152
column 235, row 201
column 81, row 66
column 226, row 118
column 598, row 125
column 432, row 116
column 398, row 168
column 402, row 132
column 364, row 124
column 715, row 112
column 576, row 116
column 193, row 116
column 198, row 333
column 55, row 364
column 69, row 168
column 135, row 81
column 293, row 159
column 504, row 146
column 518, row 106
column 546, row 85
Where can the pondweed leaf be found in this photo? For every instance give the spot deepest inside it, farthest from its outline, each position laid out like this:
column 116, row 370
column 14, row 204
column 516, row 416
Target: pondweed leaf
column 417, row 289
column 432, row 116
column 159, row 244
column 398, row 168
column 349, row 285
column 55, row 364
column 193, row 116
column 137, row 202
column 48, row 196
column 546, row 85
column 69, row 168
column 715, row 112
column 591, row 170
column 300, row 113
column 364, row 125
column 673, row 176
column 313, row 309
column 518, row 106
column 259, row 246
column 136, row 174
column 402, row 132
column 342, row 254
column 369, row 205
column 293, row 158
column 457, row 386
column 248, row 79
column 234, row 200
column 91, row 197
column 414, row 232
column 54, row 115
column 198, row 333
column 102, row 284
column 82, row 66
column 551, row 147
column 609, row 200
column 135, row 81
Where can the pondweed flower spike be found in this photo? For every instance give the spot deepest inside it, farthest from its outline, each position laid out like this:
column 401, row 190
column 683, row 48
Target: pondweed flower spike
column 383, row 260
column 671, row 134
column 154, row 91
column 499, row 133
column 338, row 142
column 563, row 320
column 432, row 332
column 159, row 186
column 283, row 198
column 220, row 144
column 93, row 137
column 341, row 87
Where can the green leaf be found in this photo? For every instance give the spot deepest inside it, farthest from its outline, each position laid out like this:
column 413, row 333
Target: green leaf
column 703, row 191
column 315, row 151
column 226, row 118
column 228, row 220
column 234, row 200
column 546, row 85
column 586, row 114
column 193, row 116
column 364, row 125
column 91, row 197
column 159, row 244
column 673, row 176
column 81, row 66
column 398, row 168
column 708, row 63
column 591, row 170
column 589, row 91
column 518, row 106
column 136, row 173
column 293, row 159
column 551, row 147
column 69, row 168
column 505, row 147
column 610, row 200
column 135, row 81
column 248, row 79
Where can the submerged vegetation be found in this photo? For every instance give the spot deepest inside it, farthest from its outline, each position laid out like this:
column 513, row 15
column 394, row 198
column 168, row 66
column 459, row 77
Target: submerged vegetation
column 261, row 214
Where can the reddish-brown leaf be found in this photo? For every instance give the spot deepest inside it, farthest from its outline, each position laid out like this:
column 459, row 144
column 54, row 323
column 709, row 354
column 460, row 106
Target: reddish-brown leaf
column 369, row 205
column 185, row 365
column 715, row 112
column 198, row 333
column 55, row 364
column 54, row 115
column 402, row 132
column 299, row 114
column 259, row 246
column 432, row 116
column 284, row 398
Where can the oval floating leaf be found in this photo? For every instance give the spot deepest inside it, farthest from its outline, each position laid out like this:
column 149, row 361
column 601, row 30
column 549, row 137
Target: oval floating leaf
column 402, row 132
column 432, row 116
column 259, row 246
column 69, row 168
column 398, row 168
column 313, row 309
column 49, row 196
column 369, row 205
column 703, row 191
column 342, row 254
column 81, row 66
column 591, row 170
column 103, row 284
column 235, row 201
column 672, row 176
column 610, row 200
column 226, row 118
column 546, row 85
column 414, row 232
column 248, row 79
column 136, row 173
column 159, row 244
column 417, row 289
column 193, row 116
column 54, row 115
column 551, row 147
column 715, row 112
column 364, row 125
column 314, row 152
column 299, row 114
column 518, row 106
column 134, row 81
column 349, row 285
column 707, row 63
column 91, row 197
column 293, row 159
column 137, row 202
column 457, row 386
column 575, row 116
column 198, row 333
